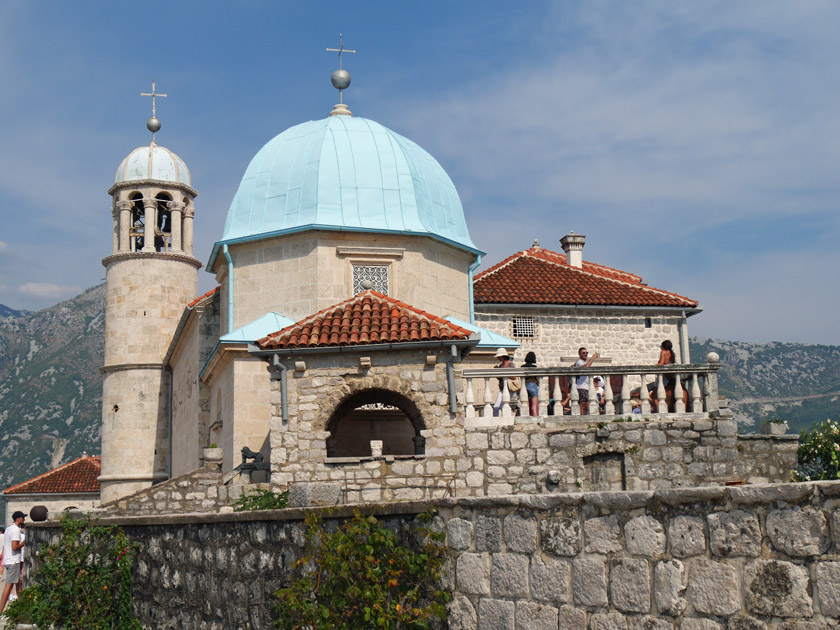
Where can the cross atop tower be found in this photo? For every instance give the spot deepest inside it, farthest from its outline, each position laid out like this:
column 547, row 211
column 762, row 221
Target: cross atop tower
column 154, row 94
column 340, row 50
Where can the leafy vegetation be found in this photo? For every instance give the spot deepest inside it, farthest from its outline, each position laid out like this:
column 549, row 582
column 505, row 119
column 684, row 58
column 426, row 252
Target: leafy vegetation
column 261, row 499
column 360, row 577
column 83, row 582
column 819, row 453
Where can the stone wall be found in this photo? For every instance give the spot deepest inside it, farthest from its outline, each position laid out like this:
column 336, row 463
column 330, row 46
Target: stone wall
column 618, row 335
column 761, row 557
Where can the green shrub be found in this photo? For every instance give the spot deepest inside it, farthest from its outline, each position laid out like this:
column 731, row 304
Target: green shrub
column 819, row 453
column 83, row 582
column 261, row 499
column 360, row 577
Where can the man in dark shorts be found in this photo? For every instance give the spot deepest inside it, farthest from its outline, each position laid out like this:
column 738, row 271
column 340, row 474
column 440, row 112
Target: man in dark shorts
column 12, row 557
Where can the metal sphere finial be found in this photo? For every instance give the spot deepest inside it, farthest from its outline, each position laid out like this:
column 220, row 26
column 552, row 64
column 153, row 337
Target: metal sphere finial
column 153, row 125
column 340, row 79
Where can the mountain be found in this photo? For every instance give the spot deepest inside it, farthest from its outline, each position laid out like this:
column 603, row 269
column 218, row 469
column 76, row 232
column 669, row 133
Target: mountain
column 51, row 387
column 797, row 382
column 5, row 311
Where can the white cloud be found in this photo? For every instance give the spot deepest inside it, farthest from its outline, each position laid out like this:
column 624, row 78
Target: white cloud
column 47, row 290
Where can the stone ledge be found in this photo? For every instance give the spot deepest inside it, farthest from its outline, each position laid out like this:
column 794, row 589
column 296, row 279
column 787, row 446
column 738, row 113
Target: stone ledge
column 785, row 437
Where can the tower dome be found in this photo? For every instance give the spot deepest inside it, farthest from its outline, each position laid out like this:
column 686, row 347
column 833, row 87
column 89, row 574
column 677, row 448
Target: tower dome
column 345, row 173
column 153, row 162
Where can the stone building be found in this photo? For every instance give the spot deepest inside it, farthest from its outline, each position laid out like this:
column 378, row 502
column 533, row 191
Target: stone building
column 350, row 343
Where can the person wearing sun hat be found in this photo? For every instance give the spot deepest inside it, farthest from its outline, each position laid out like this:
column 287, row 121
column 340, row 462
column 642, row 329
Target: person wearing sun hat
column 12, row 556
column 504, row 362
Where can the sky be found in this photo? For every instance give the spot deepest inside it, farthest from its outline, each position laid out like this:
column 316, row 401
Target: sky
column 696, row 144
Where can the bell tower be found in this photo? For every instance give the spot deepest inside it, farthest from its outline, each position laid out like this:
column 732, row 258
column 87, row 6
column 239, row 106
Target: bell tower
column 151, row 275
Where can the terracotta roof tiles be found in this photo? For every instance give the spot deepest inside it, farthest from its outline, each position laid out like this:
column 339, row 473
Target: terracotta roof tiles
column 202, row 297
column 541, row 276
column 80, row 475
column 366, row 319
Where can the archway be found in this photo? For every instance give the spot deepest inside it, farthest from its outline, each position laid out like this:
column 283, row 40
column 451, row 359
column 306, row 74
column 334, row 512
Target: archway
column 375, row 414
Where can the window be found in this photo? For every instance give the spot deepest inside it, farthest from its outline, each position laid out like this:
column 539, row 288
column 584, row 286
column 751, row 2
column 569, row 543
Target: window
column 648, row 323
column 524, row 327
column 370, row 277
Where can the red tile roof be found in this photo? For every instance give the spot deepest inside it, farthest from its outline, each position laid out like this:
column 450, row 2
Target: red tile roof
column 368, row 318
column 541, row 276
column 201, row 297
column 80, row 475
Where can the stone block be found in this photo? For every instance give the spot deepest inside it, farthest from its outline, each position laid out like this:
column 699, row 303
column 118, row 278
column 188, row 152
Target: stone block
column 520, row 533
column 477, row 441
column 798, row 533
column 687, row 537
column 459, row 533
column 589, row 581
column 549, row 579
column 645, row 536
column 602, row 534
column 648, row 622
column 531, row 616
column 608, row 621
column 488, row 533
column 828, row 587
column 630, row 585
column 560, row 536
column 496, row 614
column 509, row 575
column 776, row 588
column 472, row 573
column 735, row 533
column 714, row 587
column 461, row 614
column 570, row 618
column 689, row 623
column 500, row 458
column 669, row 581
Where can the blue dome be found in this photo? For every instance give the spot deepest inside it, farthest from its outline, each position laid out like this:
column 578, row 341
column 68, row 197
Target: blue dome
column 345, row 173
column 153, row 162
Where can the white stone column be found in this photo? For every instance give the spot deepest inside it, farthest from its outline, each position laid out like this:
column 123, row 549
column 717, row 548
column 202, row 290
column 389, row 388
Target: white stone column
column 150, row 220
column 115, row 215
column 124, row 208
column 188, row 231
column 176, row 216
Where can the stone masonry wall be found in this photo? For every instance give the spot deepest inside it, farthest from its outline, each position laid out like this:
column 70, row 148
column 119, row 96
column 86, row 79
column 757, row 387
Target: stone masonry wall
column 620, row 336
column 763, row 557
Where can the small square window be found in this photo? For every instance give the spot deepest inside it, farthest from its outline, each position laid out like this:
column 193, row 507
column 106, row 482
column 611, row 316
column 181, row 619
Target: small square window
column 524, row 327
column 370, row 277
column 648, row 323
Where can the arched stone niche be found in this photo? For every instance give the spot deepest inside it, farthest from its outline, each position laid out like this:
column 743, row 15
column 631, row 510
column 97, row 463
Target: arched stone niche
column 375, row 413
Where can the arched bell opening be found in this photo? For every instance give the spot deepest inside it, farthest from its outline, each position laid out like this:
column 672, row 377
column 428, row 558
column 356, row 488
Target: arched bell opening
column 137, row 227
column 163, row 228
column 376, row 414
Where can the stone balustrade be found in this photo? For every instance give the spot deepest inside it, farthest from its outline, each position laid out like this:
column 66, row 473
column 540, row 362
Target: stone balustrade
column 695, row 391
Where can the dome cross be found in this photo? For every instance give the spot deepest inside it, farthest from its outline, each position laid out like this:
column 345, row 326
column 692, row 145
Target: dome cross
column 153, row 124
column 340, row 78
column 340, row 50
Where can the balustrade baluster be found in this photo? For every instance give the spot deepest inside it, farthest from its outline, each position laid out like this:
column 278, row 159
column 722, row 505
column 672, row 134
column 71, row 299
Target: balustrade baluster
column 609, row 406
column 592, row 398
column 696, row 401
column 488, row 399
column 469, row 399
column 575, row 397
column 542, row 381
column 625, row 395
column 661, row 400
column 557, row 395
column 643, row 395
column 506, row 412
column 679, row 403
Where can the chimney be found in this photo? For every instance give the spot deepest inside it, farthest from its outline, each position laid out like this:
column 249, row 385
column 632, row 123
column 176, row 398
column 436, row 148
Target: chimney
column 573, row 246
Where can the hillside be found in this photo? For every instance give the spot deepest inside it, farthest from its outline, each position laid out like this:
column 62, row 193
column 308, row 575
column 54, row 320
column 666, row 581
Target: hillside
column 51, row 387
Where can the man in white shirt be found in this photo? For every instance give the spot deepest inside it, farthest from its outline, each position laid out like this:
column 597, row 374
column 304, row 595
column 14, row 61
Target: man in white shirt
column 12, row 556
column 582, row 382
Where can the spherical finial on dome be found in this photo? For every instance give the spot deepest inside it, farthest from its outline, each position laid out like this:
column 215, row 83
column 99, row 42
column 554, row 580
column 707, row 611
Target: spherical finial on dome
column 153, row 125
column 340, row 79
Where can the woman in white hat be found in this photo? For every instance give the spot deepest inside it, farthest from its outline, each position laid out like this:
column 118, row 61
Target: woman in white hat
column 504, row 362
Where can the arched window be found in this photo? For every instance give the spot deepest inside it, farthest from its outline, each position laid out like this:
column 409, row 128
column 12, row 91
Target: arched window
column 138, row 222
column 375, row 414
column 163, row 229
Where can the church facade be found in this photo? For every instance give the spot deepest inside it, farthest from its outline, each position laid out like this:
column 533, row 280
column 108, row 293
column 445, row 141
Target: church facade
column 348, row 324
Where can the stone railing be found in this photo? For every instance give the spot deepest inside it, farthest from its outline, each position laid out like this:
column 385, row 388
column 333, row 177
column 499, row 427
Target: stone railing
column 695, row 391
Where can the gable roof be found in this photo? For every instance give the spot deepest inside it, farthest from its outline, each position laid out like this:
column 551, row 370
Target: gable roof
column 541, row 276
column 210, row 293
column 80, row 475
column 258, row 328
column 368, row 318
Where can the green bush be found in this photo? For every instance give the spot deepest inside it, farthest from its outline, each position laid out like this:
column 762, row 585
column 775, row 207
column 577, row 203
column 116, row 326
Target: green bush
column 360, row 577
column 83, row 582
column 261, row 499
column 819, row 453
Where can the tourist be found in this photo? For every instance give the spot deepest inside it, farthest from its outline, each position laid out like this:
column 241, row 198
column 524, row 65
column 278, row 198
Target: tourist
column 599, row 392
column 12, row 556
column 666, row 357
column 582, row 384
column 505, row 362
column 532, row 385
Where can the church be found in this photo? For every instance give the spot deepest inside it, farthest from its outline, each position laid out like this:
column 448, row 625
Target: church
column 351, row 336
